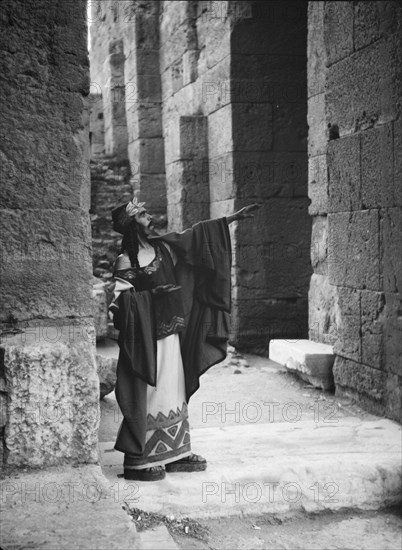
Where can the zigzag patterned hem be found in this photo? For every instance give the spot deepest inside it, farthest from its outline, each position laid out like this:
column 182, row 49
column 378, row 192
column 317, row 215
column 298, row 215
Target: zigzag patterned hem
column 167, row 440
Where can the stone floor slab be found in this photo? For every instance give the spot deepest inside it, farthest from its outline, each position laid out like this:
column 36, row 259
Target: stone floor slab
column 276, row 468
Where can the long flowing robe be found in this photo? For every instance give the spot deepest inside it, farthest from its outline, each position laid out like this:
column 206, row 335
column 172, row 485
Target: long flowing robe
column 165, row 349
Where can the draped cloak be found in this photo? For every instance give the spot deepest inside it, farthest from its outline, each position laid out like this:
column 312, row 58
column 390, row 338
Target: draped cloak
column 203, row 271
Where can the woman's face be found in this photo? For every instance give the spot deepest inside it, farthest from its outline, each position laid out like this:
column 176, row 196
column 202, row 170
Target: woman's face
column 144, row 221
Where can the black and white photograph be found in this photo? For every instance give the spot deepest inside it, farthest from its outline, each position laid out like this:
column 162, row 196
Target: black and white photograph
column 201, row 275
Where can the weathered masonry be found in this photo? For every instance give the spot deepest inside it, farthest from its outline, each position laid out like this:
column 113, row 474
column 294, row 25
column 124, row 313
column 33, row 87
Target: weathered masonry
column 201, row 108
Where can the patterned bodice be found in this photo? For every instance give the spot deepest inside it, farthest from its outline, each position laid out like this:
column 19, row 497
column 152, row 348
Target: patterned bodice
column 168, row 307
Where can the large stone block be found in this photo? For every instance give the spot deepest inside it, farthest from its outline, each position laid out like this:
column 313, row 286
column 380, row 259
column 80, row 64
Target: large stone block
column 318, row 185
column 260, row 174
column 193, row 212
column 390, row 249
column 57, row 155
column 187, row 181
column 348, row 342
column 353, row 249
column 252, row 126
column 316, row 53
column 186, row 101
column 43, row 251
column 214, row 37
column 366, row 23
column 193, row 137
column 147, row 62
column 338, row 30
column 375, row 19
column 281, row 224
column 174, row 15
column 268, row 78
column 391, row 320
column 311, row 360
column 184, row 38
column 364, row 88
column 190, row 66
column 319, row 245
column 344, row 179
column 397, row 146
column 146, row 30
column 289, row 126
column 317, row 125
column 186, row 138
column 221, row 208
column 324, row 313
column 52, row 396
column 152, row 190
column 144, row 120
column 147, row 89
column 176, row 74
column 216, row 85
column 282, row 31
column 222, row 182
column 364, row 383
column 372, row 320
column 259, row 277
column 377, row 178
column 220, row 132
column 147, row 156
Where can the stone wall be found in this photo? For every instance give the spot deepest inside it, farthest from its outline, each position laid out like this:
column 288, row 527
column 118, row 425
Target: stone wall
column 48, row 371
column 356, row 188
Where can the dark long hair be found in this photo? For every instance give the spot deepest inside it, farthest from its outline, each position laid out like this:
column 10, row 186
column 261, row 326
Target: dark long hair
column 129, row 243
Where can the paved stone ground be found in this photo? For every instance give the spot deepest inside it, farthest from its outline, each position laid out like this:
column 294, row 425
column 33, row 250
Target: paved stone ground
column 263, row 430
column 63, row 508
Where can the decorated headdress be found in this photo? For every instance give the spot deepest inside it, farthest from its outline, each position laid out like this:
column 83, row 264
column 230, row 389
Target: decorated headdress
column 122, row 215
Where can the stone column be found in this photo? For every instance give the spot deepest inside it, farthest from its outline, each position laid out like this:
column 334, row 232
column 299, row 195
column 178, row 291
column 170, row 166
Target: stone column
column 114, row 102
column 143, row 107
column 48, row 373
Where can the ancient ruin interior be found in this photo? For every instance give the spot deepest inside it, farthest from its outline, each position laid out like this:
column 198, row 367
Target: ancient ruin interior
column 198, row 108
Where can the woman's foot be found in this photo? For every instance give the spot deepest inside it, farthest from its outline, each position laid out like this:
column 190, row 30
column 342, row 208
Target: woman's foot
column 147, row 474
column 191, row 463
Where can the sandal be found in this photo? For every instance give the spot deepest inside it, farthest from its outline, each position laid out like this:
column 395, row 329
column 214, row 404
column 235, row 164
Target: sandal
column 147, row 474
column 191, row 463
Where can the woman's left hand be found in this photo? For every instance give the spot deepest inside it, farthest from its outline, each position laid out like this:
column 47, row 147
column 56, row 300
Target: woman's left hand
column 246, row 212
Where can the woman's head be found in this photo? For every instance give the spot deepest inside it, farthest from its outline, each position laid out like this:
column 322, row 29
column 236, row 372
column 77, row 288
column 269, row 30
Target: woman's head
column 144, row 222
column 134, row 222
